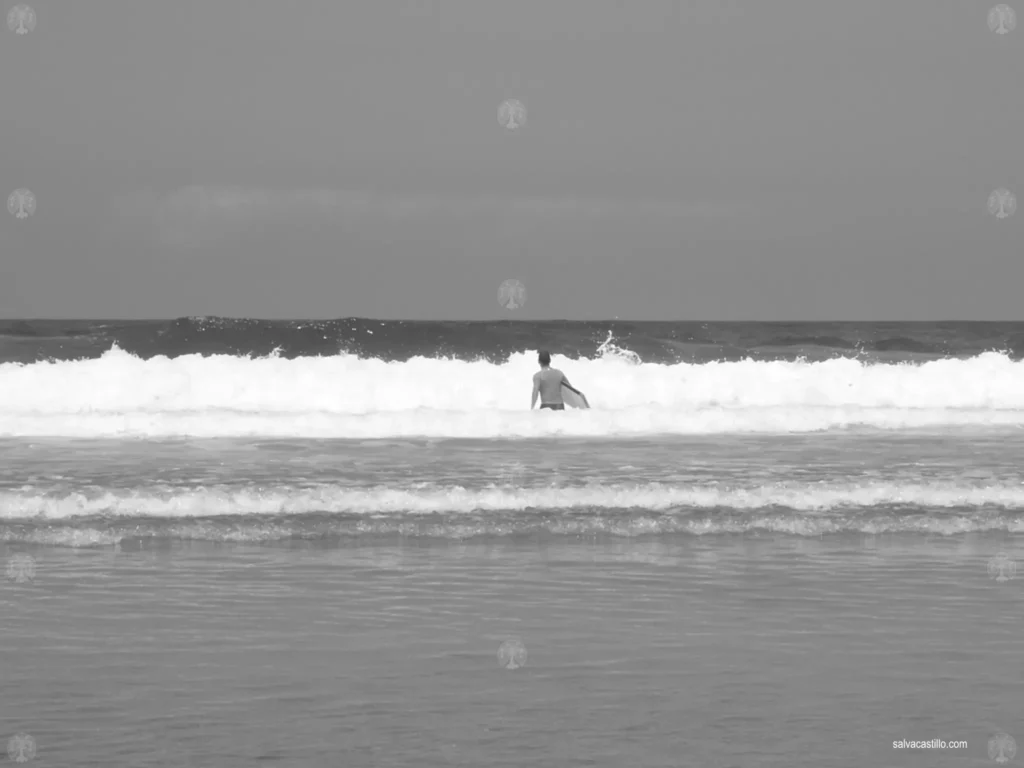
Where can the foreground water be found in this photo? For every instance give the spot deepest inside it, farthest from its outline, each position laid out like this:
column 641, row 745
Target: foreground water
column 710, row 602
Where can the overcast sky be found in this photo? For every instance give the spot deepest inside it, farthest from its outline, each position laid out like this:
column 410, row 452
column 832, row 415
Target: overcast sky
column 686, row 159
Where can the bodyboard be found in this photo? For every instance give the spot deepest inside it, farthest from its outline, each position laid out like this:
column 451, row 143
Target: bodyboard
column 573, row 400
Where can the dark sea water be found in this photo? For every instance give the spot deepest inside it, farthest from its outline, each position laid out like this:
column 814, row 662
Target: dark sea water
column 399, row 340
column 352, row 543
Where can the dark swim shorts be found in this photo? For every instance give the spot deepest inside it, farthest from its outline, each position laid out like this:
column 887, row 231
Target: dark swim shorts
column 552, row 406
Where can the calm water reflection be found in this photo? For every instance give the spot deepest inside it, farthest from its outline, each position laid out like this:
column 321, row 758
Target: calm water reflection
column 717, row 651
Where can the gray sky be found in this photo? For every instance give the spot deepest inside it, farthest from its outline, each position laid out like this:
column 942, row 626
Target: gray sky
column 690, row 160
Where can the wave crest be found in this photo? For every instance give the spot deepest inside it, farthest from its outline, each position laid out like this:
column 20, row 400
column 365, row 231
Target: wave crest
column 343, row 395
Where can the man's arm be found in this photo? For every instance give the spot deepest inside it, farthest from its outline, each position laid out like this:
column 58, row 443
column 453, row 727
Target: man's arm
column 565, row 383
column 536, row 391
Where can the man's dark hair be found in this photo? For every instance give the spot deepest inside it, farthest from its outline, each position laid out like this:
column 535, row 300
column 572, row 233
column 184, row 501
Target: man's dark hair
column 544, row 358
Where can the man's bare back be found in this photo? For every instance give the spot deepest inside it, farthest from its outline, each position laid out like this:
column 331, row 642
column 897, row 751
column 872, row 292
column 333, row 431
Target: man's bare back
column 548, row 383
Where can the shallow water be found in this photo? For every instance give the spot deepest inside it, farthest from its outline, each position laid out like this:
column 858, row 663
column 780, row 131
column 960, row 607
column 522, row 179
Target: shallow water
column 724, row 652
column 716, row 602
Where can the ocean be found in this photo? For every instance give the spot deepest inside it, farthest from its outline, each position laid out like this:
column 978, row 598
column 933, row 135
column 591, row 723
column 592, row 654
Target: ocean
column 352, row 543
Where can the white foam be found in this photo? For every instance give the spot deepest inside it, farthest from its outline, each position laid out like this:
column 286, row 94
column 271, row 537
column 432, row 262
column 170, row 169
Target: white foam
column 344, row 396
column 283, row 500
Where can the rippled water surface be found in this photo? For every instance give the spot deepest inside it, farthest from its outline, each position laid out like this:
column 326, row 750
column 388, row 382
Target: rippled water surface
column 654, row 635
column 749, row 653
column 946, row 455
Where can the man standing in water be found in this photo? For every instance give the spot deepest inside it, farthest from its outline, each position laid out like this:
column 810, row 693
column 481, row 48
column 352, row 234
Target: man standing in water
column 547, row 383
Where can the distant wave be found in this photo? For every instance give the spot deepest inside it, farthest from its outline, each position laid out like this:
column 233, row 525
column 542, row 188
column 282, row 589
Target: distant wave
column 266, row 514
column 400, row 340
